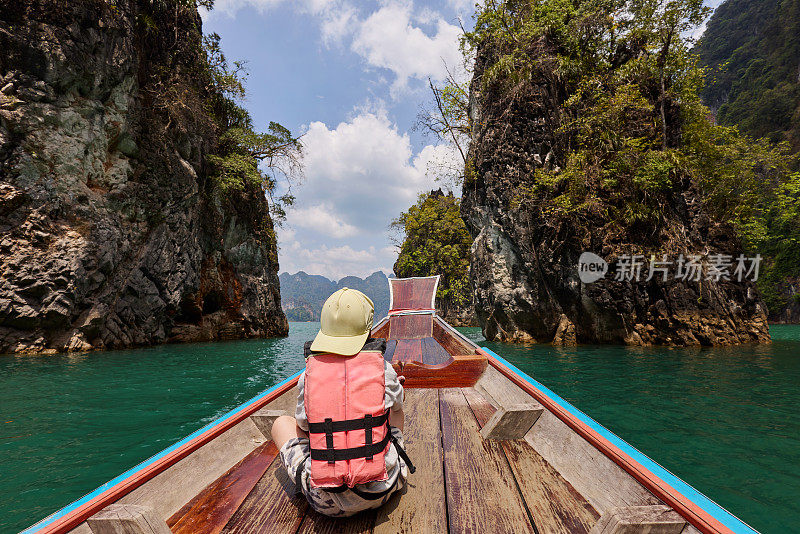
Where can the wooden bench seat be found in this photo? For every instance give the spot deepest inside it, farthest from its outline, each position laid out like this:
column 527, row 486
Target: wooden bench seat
column 514, row 411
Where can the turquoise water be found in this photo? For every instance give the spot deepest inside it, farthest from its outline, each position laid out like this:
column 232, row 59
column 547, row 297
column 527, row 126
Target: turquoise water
column 725, row 420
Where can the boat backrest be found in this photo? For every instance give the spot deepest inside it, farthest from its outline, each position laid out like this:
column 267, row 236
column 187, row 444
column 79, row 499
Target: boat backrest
column 412, row 295
column 410, row 326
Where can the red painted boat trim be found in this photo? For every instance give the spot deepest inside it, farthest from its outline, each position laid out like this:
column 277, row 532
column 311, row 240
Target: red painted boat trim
column 81, row 514
column 695, row 515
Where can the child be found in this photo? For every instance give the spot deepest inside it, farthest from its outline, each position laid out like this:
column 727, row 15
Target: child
column 350, row 402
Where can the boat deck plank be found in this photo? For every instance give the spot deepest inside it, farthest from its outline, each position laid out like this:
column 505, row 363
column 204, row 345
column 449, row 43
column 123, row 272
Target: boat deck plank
column 555, row 505
column 272, row 506
column 211, row 509
column 361, row 523
column 463, row 482
column 407, row 350
column 423, row 500
column 480, row 485
column 433, row 353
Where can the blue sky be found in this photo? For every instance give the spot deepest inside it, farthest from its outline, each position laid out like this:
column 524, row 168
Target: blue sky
column 350, row 75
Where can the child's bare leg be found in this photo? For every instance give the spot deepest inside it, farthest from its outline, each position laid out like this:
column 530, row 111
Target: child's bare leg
column 285, row 428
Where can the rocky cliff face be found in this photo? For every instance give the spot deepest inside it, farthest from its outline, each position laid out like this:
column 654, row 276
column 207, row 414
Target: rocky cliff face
column 790, row 313
column 111, row 235
column 524, row 258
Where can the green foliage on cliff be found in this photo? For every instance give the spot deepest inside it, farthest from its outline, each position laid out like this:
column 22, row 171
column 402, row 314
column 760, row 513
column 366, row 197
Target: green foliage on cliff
column 449, row 121
column 752, row 50
column 620, row 89
column 778, row 239
column 242, row 150
column 436, row 241
column 620, row 96
column 242, row 159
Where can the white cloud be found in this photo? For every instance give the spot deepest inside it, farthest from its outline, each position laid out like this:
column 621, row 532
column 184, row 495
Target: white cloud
column 462, row 7
column 337, row 24
column 440, row 161
column 388, row 39
column 359, row 175
column 321, row 219
column 364, row 168
column 319, row 6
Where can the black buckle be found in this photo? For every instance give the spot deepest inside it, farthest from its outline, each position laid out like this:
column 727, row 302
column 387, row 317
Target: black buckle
column 328, row 425
column 368, row 433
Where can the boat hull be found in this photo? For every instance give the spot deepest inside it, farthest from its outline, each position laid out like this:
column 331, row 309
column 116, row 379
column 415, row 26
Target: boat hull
column 496, row 451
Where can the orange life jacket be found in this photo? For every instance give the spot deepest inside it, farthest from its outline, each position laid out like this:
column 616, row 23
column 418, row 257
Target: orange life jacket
column 348, row 423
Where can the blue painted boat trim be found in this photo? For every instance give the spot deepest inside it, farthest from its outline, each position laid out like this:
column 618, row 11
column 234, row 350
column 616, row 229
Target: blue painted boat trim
column 127, row 474
column 713, row 509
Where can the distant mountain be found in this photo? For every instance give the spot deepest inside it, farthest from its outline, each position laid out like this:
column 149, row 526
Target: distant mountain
column 303, row 294
column 751, row 48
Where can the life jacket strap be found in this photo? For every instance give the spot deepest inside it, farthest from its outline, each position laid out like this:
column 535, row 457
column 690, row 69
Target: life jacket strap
column 367, row 495
column 352, row 453
column 348, row 425
column 366, row 423
column 368, row 433
column 403, row 454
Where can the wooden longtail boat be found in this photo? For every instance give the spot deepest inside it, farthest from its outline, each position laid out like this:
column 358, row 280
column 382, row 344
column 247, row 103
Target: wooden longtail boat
column 495, row 450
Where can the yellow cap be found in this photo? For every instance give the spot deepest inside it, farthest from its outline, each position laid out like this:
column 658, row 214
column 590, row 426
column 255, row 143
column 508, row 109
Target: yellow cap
column 345, row 323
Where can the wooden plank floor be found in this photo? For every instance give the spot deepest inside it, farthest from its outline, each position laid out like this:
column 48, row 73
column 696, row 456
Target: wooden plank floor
column 556, row 507
column 463, row 483
column 433, row 353
column 423, row 500
column 211, row 509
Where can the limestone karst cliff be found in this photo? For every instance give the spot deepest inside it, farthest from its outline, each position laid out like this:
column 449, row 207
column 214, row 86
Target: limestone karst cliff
column 540, row 191
column 111, row 234
column 752, row 52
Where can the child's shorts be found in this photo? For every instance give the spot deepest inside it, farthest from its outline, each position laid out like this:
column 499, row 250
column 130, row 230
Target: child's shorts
column 296, row 454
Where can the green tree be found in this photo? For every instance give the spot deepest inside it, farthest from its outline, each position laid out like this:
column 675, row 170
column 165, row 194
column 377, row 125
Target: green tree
column 271, row 160
column 624, row 122
column 448, row 120
column 435, row 241
column 751, row 49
